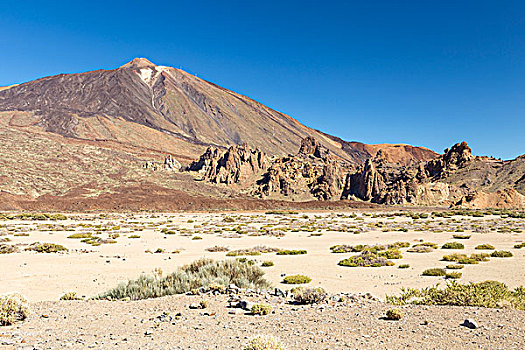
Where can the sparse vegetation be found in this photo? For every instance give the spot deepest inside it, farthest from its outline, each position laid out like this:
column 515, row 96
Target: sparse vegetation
column 200, row 273
column 296, row 279
column 70, row 296
column 453, row 245
column 261, row 309
column 46, row 247
column 434, row 272
column 304, row 295
column 501, row 254
column 485, row 247
column 13, row 308
column 291, row 252
column 365, row 259
column 264, row 342
column 394, row 314
column 267, row 263
column 490, row 294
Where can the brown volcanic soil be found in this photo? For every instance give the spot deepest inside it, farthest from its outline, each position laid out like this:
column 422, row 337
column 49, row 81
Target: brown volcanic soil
column 356, row 324
column 149, row 196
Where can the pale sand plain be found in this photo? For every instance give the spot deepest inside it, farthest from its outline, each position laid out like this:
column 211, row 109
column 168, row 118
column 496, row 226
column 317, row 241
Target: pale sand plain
column 47, row 276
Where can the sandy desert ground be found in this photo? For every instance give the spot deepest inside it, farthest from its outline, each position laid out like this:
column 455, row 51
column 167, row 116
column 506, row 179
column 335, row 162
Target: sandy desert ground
column 91, row 269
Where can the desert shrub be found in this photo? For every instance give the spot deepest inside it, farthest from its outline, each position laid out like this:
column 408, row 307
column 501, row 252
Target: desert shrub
column 267, row 263
column 426, row 244
column 394, row 314
column 304, row 295
column 501, row 254
column 196, row 238
column 453, row 275
column 391, row 254
column 485, row 247
column 8, row 249
column 13, row 308
column 461, row 236
column 519, row 246
column 264, row 342
column 46, row 247
column 70, row 296
column 483, row 294
column 420, row 249
column 217, row 248
column 453, row 245
column 134, row 236
column 261, row 309
column 454, row 257
column 200, row 273
column 434, row 272
column 365, row 259
column 455, row 267
column 291, row 252
column 296, row 279
column 80, row 235
column 404, row 266
column 480, row 257
column 228, row 219
column 341, row 248
column 257, row 250
column 281, row 212
column 468, row 261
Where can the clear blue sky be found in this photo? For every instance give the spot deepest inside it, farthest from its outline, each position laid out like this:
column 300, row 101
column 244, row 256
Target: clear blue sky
column 428, row 73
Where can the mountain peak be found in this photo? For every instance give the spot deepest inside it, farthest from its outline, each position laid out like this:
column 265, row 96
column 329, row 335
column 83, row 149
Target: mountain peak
column 139, row 62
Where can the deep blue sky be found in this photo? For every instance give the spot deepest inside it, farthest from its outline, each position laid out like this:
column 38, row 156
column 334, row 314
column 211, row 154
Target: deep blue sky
column 428, row 73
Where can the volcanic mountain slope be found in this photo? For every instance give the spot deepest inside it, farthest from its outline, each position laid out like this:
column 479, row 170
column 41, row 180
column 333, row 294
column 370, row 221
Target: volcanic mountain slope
column 165, row 109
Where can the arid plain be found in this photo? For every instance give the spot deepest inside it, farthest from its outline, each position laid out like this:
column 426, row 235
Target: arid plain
column 103, row 250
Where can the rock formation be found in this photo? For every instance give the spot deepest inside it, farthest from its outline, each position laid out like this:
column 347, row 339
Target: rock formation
column 169, row 163
column 234, row 165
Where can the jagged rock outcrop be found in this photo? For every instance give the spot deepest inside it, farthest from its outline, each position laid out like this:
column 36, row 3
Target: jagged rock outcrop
column 386, row 183
column 313, row 171
column 457, row 157
column 170, row 163
column 234, row 165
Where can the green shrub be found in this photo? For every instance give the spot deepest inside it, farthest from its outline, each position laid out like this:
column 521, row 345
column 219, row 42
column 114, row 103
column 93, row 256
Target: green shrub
column 485, row 247
column 455, row 267
column 404, row 266
column 13, row 308
column 391, row 254
column 264, row 342
column 453, row 275
column 8, row 249
column 70, row 296
column 365, row 259
column 480, row 257
column 501, row 254
column 483, row 294
column 267, row 263
column 261, row 309
column 453, row 245
column 297, row 279
column 80, row 235
column 468, row 261
column 46, row 247
column 394, row 315
column 291, row 252
column 434, row 272
column 200, row 273
column 519, row 246
column 454, row 257
column 461, row 236
column 134, row 236
column 304, row 295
